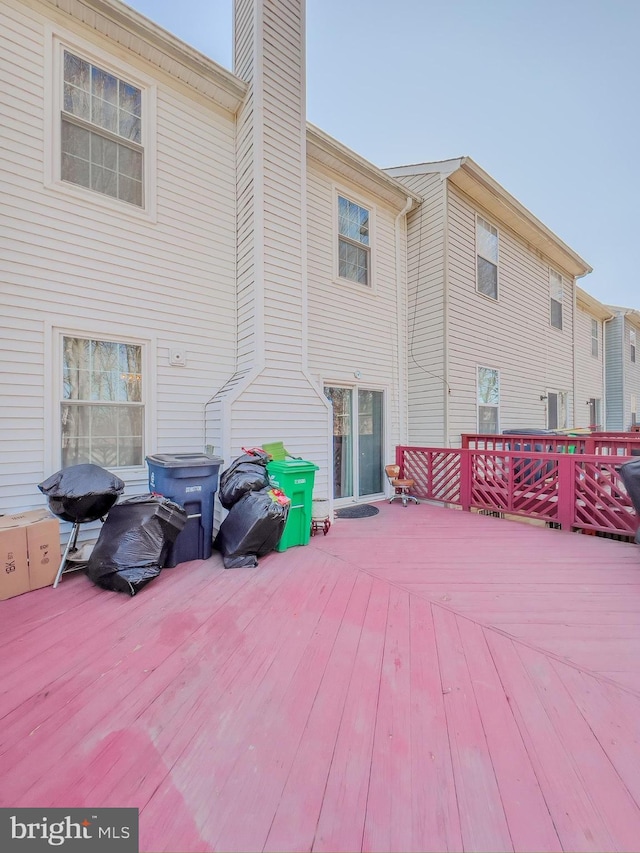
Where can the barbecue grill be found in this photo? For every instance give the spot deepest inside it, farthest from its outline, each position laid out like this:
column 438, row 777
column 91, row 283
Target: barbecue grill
column 80, row 494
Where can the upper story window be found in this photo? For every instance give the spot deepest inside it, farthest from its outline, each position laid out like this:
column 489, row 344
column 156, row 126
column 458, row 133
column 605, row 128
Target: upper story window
column 487, row 258
column 101, row 131
column 354, row 248
column 595, row 338
column 555, row 301
column 632, row 345
column 102, row 406
column 488, row 385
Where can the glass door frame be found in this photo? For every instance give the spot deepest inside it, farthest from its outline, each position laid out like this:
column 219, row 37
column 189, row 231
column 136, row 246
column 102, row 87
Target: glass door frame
column 355, row 473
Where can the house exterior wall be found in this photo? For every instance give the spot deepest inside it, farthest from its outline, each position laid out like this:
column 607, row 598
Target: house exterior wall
column 426, row 260
column 274, row 398
column 512, row 334
column 589, row 368
column 631, row 373
column 614, row 373
column 354, row 328
column 72, row 262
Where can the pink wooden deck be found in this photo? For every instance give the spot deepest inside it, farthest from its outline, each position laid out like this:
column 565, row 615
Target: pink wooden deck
column 422, row 680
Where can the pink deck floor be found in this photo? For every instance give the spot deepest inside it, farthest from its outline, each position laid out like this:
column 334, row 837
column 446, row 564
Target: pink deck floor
column 425, row 679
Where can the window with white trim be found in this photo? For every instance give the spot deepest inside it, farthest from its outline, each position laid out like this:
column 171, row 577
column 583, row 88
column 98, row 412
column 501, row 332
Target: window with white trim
column 595, row 338
column 354, row 247
column 634, row 409
column 486, row 258
column 555, row 299
column 632, row 346
column 557, row 409
column 102, row 408
column 488, row 390
column 101, row 132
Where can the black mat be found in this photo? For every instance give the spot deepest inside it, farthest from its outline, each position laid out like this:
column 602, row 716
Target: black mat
column 357, row 511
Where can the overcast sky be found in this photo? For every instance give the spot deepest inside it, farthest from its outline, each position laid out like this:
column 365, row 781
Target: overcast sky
column 543, row 94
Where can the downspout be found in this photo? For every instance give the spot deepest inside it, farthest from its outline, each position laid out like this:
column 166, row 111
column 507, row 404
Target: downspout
column 402, row 326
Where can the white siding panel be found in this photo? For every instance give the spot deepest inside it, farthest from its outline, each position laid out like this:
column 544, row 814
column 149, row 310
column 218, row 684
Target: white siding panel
column 512, row 334
column 90, row 268
column 589, row 368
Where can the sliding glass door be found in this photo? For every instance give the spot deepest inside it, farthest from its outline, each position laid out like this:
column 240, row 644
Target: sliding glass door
column 358, row 441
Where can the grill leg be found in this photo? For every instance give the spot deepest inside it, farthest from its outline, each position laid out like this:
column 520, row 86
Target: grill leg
column 71, row 546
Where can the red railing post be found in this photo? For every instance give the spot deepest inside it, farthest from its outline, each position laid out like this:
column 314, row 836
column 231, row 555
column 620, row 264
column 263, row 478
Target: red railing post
column 567, row 490
column 465, row 479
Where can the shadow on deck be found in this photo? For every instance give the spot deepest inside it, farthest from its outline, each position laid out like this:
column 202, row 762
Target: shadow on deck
column 425, row 679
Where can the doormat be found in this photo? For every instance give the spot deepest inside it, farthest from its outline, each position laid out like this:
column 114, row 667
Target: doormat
column 357, row 511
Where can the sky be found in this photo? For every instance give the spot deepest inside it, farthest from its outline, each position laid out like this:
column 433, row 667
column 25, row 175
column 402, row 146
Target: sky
column 542, row 94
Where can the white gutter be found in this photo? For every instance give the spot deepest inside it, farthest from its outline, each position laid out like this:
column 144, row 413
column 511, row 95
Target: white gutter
column 402, row 323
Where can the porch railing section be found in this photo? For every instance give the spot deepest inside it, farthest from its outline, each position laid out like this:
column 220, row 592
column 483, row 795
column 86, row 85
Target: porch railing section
column 573, row 491
column 601, row 443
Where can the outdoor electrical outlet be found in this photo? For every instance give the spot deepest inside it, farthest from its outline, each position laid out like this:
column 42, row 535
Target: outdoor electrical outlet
column 177, row 357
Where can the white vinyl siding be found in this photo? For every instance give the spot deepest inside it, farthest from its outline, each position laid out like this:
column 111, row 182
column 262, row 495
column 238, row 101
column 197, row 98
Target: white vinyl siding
column 556, row 289
column 171, row 282
column 512, row 335
column 487, row 258
column 353, row 330
column 589, row 378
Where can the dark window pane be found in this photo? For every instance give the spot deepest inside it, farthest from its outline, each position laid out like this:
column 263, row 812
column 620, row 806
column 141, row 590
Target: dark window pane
column 487, row 278
column 556, row 314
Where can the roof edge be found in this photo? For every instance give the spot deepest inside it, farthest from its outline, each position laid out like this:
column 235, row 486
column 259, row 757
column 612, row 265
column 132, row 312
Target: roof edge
column 320, row 143
column 153, row 34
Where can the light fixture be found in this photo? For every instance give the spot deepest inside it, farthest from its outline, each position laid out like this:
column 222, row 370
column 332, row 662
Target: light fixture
column 543, row 397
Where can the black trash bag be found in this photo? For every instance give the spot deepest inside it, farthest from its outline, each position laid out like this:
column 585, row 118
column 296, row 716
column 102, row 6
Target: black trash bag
column 134, row 542
column 81, row 493
column 247, row 473
column 252, row 528
column 630, row 474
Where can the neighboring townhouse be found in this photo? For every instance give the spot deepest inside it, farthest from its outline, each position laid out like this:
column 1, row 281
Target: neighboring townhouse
column 622, row 368
column 491, row 309
column 591, row 322
column 186, row 264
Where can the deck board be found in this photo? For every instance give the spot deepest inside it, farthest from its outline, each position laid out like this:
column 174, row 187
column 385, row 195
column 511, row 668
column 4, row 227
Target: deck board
column 424, row 679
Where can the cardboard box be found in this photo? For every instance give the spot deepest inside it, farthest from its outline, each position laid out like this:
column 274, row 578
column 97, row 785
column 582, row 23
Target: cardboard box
column 34, row 537
column 14, row 565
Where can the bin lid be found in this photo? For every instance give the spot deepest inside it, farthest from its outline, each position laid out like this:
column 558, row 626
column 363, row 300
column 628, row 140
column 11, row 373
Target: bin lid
column 290, row 466
column 183, row 460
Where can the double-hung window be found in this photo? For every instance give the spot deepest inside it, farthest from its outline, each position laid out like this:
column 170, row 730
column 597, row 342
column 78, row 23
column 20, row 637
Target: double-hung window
column 102, row 407
column 595, row 337
column 354, row 246
column 488, row 390
column 486, row 258
column 101, row 138
column 555, row 301
column 632, row 346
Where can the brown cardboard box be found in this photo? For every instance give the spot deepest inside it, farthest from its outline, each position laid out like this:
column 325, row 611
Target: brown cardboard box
column 42, row 534
column 14, row 567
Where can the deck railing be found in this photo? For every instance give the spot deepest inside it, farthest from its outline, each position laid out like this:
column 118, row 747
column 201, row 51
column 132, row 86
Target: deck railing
column 573, row 491
column 601, row 443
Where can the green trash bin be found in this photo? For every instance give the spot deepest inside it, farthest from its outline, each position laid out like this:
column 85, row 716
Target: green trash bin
column 295, row 477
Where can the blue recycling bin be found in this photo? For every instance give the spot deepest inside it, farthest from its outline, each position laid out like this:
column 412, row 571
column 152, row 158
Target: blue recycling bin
column 191, row 480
